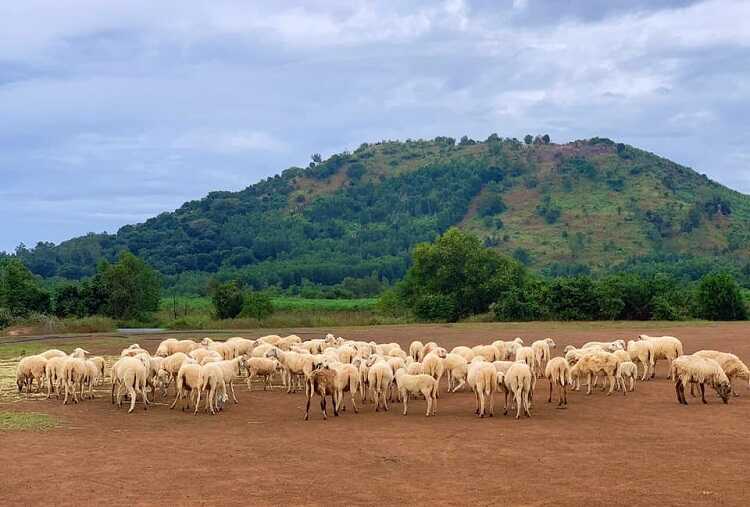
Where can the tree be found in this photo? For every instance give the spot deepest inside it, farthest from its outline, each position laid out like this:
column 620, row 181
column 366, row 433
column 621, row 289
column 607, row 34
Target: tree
column 719, row 298
column 227, row 299
column 69, row 301
column 316, row 158
column 132, row 288
column 20, row 292
column 256, row 305
column 545, row 139
column 528, row 139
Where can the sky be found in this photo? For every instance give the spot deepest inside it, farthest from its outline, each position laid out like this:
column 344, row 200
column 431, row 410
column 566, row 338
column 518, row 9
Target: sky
column 113, row 112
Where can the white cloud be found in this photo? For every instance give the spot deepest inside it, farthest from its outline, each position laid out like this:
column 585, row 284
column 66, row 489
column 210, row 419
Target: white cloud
column 227, row 141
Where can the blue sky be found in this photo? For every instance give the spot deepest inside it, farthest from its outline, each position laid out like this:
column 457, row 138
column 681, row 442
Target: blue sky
column 113, row 112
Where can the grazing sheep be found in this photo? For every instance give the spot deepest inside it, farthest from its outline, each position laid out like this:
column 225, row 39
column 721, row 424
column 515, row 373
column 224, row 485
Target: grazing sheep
column 542, row 354
column 415, row 384
column 625, row 370
column 130, row 373
column 74, row 372
column 414, row 368
column 79, row 353
column 230, row 368
column 464, row 352
column 482, row 378
column 189, row 382
column 346, row 379
column 416, row 350
column 528, row 356
column 595, row 363
column 506, row 350
column 456, row 368
column 699, row 370
column 518, row 383
column 642, row 352
column 379, row 377
column 242, row 346
column 433, row 365
column 91, row 377
column 49, row 354
column 260, row 367
column 731, row 364
column 165, row 347
column 212, row 381
column 665, row 347
column 322, row 382
column 488, row 352
column 100, row 364
column 557, row 372
column 184, row 346
column 292, row 363
column 170, row 366
column 54, row 374
column 605, row 346
column 31, row 368
column 201, row 354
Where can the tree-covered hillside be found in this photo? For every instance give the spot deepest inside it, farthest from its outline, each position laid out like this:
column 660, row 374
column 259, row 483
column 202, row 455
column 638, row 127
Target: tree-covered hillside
column 589, row 205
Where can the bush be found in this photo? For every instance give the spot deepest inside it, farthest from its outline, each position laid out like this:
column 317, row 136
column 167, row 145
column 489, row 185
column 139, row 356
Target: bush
column 517, row 305
column 256, row 306
column 719, row 298
column 6, row 318
column 435, row 307
column 228, row 300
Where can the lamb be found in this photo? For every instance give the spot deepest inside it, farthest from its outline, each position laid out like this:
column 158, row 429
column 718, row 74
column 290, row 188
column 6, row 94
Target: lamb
column 322, row 381
column 416, row 350
column 379, row 377
column 642, row 352
column 699, row 370
column 557, row 372
column 625, row 370
column 456, row 367
column 49, row 354
column 189, row 380
column 518, row 383
column 482, row 378
column 31, row 368
column 730, row 363
column 542, row 353
column 594, row 363
column 131, row 373
column 414, row 384
column 665, row 347
column 260, row 367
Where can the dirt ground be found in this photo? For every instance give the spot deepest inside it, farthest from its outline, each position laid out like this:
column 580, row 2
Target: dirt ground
column 636, row 450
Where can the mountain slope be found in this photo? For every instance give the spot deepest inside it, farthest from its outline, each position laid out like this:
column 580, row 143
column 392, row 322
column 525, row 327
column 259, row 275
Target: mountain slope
column 584, row 205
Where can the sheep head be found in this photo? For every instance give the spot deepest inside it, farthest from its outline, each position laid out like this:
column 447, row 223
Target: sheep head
column 724, row 389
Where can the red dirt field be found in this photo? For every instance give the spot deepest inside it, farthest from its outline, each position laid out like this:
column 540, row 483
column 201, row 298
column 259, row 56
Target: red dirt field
column 643, row 449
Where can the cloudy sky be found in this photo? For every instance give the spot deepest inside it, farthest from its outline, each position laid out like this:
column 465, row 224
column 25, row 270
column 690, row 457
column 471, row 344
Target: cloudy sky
column 111, row 112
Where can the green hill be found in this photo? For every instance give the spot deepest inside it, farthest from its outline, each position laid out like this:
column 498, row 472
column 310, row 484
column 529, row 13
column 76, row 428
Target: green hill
column 588, row 205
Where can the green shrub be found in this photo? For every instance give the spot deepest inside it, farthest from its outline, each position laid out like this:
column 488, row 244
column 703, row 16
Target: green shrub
column 435, row 307
column 6, row 318
column 256, row 306
column 719, row 298
column 228, row 300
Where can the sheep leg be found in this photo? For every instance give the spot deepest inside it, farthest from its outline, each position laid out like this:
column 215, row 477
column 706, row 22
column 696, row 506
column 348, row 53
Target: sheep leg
column 492, row 402
column 354, row 405
column 589, row 382
column 461, row 383
column 677, row 391
column 505, row 402
column 565, row 396
column 549, row 400
column 198, row 401
column 703, row 393
column 231, row 388
column 480, row 395
column 335, row 410
column 611, row 381
column 132, row 393
column 519, row 402
column 323, row 406
column 385, row 403
column 476, row 399
column 307, row 409
column 632, row 384
column 250, row 383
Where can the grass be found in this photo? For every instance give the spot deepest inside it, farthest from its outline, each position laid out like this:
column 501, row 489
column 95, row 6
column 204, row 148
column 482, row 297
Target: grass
column 15, row 421
column 46, row 324
column 14, row 350
column 291, row 303
column 289, row 318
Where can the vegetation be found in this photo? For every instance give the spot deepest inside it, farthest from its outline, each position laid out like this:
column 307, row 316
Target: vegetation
column 456, row 277
column 14, row 421
column 345, row 226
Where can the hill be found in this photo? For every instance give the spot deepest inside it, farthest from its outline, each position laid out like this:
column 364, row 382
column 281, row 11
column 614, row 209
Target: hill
column 590, row 205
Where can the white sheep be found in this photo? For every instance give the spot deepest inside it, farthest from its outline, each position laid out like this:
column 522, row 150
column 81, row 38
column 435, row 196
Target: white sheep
column 557, row 372
column 188, row 383
column 49, row 354
column 230, row 368
column 379, row 376
column 606, row 346
column 665, row 347
column 346, row 379
column 74, row 373
column 482, row 378
column 626, row 370
column 464, row 352
column 415, row 384
column 699, row 370
column 488, row 352
column 212, row 381
column 416, row 350
column 432, row 364
column 31, row 368
column 518, row 383
column 732, row 365
column 54, row 374
column 456, row 368
column 542, row 354
column 130, row 373
column 642, row 352
column 260, row 367
column 597, row 362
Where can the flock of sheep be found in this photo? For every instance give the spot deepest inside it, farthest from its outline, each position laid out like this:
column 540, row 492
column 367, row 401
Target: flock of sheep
column 377, row 373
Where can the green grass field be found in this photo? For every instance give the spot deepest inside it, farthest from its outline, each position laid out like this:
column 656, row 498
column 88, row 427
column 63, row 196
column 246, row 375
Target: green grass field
column 203, row 304
column 14, row 421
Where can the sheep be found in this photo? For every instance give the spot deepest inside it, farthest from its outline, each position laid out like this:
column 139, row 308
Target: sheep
column 665, row 347
column 132, row 352
column 165, row 347
column 322, row 381
column 730, row 363
column 54, row 374
column 464, row 352
column 699, row 370
column 625, row 370
column 346, row 353
column 242, row 346
column 518, row 383
column 414, row 368
column 131, row 373
column 379, row 377
column 542, row 353
column 94, row 373
column 100, row 364
column 212, row 381
column 429, row 347
column 79, row 353
column 432, row 364
column 230, row 368
column 594, row 363
column 557, row 372
column 293, row 364
column 260, row 367
column 346, row 379
column 456, row 367
column 642, row 352
column 189, row 379
column 606, row 346
column 200, row 354
column 488, row 352
column 31, row 368
column 416, row 350
column 49, row 354
column 170, row 366
column 482, row 378
column 74, row 372
column 528, row 356
column 185, row 346
column 414, row 384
